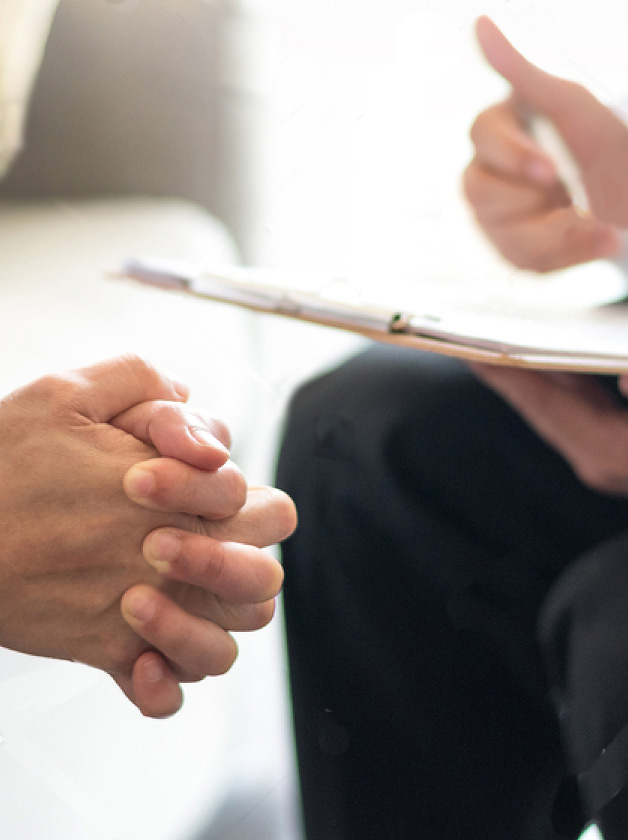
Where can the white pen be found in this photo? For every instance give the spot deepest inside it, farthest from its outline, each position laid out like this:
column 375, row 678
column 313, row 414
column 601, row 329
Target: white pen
column 550, row 140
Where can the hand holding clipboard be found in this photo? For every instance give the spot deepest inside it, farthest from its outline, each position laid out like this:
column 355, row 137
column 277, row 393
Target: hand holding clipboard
column 595, row 341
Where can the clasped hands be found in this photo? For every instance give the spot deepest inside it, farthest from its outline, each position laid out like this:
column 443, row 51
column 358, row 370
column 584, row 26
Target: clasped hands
column 130, row 541
column 518, row 200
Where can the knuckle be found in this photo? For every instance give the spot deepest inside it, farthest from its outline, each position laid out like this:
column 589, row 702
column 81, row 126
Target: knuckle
column 194, row 524
column 180, row 644
column 166, row 413
column 140, row 370
column 118, row 655
column 486, row 123
column 213, row 657
column 239, row 487
column 573, row 91
column 213, row 563
column 220, row 430
column 55, row 391
column 471, row 184
column 175, row 486
column 523, row 254
column 187, row 481
column 137, row 365
column 478, row 127
column 45, row 388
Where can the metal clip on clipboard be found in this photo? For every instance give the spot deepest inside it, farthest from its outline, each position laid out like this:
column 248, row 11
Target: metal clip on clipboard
column 244, row 287
column 479, row 336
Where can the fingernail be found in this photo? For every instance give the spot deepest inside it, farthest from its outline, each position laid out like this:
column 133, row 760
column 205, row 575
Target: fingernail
column 180, row 387
column 141, row 607
column 182, row 390
column 161, row 548
column 139, row 482
column 154, row 670
column 540, row 170
column 205, row 438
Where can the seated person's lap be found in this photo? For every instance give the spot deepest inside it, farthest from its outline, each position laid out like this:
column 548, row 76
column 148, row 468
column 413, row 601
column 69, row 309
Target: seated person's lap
column 433, row 523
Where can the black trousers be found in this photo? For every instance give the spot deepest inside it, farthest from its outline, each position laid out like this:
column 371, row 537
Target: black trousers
column 457, row 614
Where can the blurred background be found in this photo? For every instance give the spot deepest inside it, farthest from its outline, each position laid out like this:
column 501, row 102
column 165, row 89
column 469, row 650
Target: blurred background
column 300, row 134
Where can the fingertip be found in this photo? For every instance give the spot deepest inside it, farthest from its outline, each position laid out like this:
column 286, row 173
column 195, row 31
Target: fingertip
column 157, row 691
column 272, row 516
column 622, row 384
column 483, row 24
column 221, row 431
column 263, row 615
column 485, row 30
column 216, row 450
column 286, row 512
column 278, row 580
column 230, row 657
column 503, row 57
column 266, row 578
column 181, row 390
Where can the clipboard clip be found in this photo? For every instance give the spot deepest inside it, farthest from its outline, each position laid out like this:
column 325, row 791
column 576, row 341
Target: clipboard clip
column 400, row 322
column 405, row 322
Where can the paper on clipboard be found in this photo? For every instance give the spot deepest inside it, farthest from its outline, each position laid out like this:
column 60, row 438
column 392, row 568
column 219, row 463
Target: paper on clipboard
column 593, row 340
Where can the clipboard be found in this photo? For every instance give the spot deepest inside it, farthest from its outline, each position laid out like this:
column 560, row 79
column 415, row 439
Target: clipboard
column 592, row 340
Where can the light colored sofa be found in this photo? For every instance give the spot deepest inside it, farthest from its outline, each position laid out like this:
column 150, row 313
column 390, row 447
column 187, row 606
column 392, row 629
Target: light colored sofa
column 145, row 97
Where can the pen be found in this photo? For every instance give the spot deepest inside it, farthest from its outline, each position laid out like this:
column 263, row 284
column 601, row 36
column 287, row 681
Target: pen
column 550, row 140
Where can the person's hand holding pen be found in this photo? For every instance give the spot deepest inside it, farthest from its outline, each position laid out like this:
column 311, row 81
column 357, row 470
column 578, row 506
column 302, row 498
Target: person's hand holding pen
column 87, row 572
column 512, row 184
column 514, row 190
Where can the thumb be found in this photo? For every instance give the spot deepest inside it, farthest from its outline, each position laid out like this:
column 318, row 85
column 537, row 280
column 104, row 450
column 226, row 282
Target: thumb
column 178, row 432
column 597, row 138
